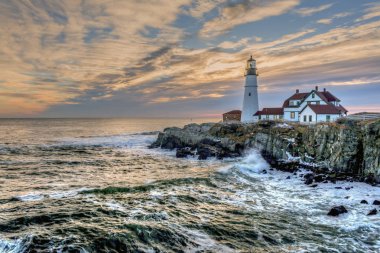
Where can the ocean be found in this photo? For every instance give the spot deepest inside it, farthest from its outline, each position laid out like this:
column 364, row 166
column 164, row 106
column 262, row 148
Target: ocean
column 93, row 185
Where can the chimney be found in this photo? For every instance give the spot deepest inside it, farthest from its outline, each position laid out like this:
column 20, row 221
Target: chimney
column 316, row 88
column 324, row 89
column 297, row 91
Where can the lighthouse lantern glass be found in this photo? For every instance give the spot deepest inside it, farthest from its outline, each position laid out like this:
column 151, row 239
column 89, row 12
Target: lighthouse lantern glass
column 251, row 64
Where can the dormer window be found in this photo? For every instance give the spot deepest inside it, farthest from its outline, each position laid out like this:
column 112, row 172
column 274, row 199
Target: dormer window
column 312, row 95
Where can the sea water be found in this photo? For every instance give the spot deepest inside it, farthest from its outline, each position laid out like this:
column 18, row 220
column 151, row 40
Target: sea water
column 92, row 185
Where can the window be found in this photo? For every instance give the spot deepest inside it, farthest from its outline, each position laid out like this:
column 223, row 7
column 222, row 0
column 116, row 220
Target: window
column 249, row 94
column 304, row 118
column 292, row 115
column 267, row 116
column 328, row 118
column 313, row 95
column 259, row 117
column 310, row 118
column 309, row 102
column 281, row 116
column 298, row 102
column 318, row 102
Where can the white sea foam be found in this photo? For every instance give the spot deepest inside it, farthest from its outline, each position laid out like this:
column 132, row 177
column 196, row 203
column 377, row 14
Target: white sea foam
column 30, row 197
column 121, row 141
column 37, row 196
column 114, row 205
column 205, row 242
column 12, row 246
column 292, row 195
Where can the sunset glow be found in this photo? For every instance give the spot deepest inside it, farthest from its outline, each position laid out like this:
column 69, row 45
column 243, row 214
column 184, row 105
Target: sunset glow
column 182, row 58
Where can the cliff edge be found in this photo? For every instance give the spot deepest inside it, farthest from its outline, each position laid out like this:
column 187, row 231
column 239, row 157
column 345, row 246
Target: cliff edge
column 344, row 150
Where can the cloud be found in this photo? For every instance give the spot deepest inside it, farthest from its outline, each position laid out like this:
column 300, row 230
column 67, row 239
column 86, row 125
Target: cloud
column 68, row 49
column 242, row 12
column 310, row 11
column 328, row 21
column 325, row 21
column 233, row 45
column 355, row 82
column 58, row 56
column 200, row 7
column 372, row 11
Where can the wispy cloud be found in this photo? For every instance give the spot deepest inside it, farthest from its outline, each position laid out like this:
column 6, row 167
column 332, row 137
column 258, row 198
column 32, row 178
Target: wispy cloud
column 372, row 11
column 57, row 54
column 328, row 21
column 243, row 12
column 312, row 10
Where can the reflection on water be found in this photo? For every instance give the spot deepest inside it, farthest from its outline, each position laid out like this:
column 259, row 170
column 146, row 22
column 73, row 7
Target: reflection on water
column 92, row 185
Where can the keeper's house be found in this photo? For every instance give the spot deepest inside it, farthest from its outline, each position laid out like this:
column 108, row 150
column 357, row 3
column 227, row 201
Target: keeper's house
column 311, row 107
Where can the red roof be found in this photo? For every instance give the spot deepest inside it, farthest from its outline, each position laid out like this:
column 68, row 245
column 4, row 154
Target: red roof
column 295, row 96
column 328, row 96
column 270, row 111
column 233, row 112
column 324, row 95
column 324, row 109
column 342, row 109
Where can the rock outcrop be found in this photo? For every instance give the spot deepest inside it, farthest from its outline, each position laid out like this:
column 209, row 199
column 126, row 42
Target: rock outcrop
column 344, row 149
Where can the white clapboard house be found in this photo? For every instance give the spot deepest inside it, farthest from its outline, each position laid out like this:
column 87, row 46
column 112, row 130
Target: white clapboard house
column 310, row 107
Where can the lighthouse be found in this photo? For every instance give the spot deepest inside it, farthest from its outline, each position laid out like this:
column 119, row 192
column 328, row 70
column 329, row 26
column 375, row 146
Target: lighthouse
column 251, row 101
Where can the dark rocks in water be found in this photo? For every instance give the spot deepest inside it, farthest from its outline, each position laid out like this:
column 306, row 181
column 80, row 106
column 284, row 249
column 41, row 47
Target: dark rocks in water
column 265, row 172
column 341, row 151
column 309, row 181
column 370, row 179
column 348, row 188
column 203, row 153
column 291, row 167
column 372, row 212
column 184, row 152
column 314, row 185
column 308, row 175
column 319, row 178
column 337, row 210
column 376, row 202
column 288, row 177
column 338, row 187
column 364, row 202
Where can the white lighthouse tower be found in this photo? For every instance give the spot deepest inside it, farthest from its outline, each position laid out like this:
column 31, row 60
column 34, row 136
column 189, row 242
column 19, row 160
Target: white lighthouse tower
column 251, row 101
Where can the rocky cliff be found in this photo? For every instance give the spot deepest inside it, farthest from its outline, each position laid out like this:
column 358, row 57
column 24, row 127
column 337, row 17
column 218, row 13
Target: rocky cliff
column 343, row 149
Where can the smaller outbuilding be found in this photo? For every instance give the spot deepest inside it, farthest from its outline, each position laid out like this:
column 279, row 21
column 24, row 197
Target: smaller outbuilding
column 269, row 114
column 231, row 116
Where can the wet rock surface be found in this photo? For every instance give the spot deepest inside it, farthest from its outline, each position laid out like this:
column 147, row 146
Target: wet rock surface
column 346, row 150
column 372, row 212
column 337, row 210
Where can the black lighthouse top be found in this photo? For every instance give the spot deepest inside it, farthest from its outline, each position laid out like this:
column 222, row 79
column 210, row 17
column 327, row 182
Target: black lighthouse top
column 251, row 67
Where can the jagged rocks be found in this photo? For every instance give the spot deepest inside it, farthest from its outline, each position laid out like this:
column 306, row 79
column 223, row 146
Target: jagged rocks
column 364, row 202
column 376, row 202
column 337, row 210
column 309, row 178
column 309, row 181
column 204, row 152
column 184, row 152
column 372, row 212
column 343, row 150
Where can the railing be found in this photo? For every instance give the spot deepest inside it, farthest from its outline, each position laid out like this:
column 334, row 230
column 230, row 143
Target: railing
column 364, row 116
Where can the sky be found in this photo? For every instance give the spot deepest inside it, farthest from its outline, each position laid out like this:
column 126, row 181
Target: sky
column 182, row 58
